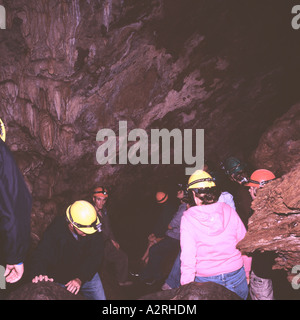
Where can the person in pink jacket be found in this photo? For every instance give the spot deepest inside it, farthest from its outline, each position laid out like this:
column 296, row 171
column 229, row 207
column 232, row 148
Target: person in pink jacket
column 209, row 233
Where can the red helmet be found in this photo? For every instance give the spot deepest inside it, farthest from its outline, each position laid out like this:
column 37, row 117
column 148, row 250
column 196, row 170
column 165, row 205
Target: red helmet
column 101, row 191
column 161, row 197
column 260, row 177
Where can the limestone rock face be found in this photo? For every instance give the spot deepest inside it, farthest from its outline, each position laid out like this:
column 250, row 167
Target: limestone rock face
column 71, row 68
column 278, row 148
column 274, row 226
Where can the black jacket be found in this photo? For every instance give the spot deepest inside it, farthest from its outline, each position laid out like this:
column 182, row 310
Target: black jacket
column 242, row 200
column 15, row 210
column 166, row 213
column 61, row 257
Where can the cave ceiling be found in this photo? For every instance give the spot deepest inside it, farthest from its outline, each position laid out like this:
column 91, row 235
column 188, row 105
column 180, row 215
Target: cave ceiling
column 71, row 68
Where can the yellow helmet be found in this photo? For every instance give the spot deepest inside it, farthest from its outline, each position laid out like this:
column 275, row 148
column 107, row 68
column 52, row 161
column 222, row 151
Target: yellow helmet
column 84, row 217
column 2, row 131
column 200, row 180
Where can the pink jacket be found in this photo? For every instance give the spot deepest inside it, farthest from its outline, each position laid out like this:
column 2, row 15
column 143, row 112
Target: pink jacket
column 208, row 238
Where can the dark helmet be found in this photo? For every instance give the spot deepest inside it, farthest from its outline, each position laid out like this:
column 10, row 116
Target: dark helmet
column 233, row 165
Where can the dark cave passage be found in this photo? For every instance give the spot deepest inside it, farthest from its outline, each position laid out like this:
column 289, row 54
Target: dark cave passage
column 71, row 69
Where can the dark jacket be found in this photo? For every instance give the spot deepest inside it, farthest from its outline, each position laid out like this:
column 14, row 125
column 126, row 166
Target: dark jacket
column 242, row 200
column 166, row 213
column 15, row 210
column 61, row 257
column 106, row 228
column 262, row 262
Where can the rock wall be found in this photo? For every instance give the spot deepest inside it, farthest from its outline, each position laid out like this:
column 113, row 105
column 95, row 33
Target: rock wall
column 71, row 68
column 278, row 148
column 274, row 225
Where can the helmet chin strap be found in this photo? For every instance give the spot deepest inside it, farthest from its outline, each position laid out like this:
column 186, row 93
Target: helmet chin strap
column 75, row 233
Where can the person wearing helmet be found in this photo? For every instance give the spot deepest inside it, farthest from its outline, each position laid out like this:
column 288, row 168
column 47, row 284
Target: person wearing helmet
column 258, row 179
column 100, row 196
column 161, row 197
column 235, row 170
column 71, row 251
column 209, row 234
column 261, row 284
column 167, row 209
column 168, row 245
column 173, row 280
column 113, row 254
column 219, row 180
column 15, row 210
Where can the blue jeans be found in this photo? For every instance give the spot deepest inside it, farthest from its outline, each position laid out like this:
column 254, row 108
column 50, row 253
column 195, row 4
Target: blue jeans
column 93, row 289
column 173, row 279
column 235, row 281
column 157, row 256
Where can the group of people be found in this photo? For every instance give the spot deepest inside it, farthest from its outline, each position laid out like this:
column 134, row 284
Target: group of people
column 75, row 246
column 205, row 230
column 72, row 248
column 200, row 234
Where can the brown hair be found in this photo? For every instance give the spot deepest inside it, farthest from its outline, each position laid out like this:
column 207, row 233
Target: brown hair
column 208, row 195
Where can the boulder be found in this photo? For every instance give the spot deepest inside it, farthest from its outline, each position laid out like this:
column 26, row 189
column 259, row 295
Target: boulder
column 43, row 291
column 274, row 225
column 194, row 291
column 278, row 148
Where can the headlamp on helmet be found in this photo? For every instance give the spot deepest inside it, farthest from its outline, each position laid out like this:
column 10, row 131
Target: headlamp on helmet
column 260, row 177
column 240, row 178
column 100, row 191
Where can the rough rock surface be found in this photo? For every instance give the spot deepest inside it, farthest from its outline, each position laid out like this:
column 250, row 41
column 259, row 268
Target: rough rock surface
column 71, row 68
column 195, row 291
column 275, row 226
column 278, row 148
column 43, row 291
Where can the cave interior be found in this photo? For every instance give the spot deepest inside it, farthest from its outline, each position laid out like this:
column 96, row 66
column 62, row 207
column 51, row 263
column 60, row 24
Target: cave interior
column 70, row 69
